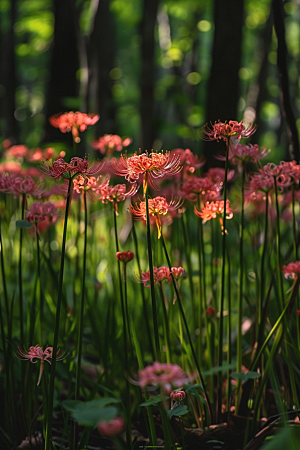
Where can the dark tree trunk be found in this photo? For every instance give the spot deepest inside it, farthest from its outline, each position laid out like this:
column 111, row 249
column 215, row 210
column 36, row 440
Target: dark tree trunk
column 101, row 55
column 278, row 16
column 63, row 83
column 147, row 28
column 8, row 78
column 223, row 88
column 258, row 92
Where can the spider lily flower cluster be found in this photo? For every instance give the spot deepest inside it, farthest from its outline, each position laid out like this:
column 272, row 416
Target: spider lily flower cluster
column 187, row 332
column 36, row 353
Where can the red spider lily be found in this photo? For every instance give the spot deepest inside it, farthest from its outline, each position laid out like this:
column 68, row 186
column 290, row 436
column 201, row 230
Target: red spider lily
column 125, row 257
column 74, row 122
column 36, row 352
column 111, row 428
column 10, row 166
column 41, row 211
column 177, row 272
column 152, row 165
column 39, row 155
column 202, row 187
column 109, row 143
column 23, row 186
column 163, row 375
column 226, row 130
column 211, row 311
column 242, row 152
column 213, row 209
column 81, row 183
column 157, row 206
column 189, row 161
column 292, row 270
column 16, row 151
column 160, row 274
column 115, row 194
column 77, row 166
column 177, row 395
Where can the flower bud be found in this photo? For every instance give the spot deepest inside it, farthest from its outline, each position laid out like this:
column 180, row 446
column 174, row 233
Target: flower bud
column 125, row 257
column 177, row 395
column 111, row 428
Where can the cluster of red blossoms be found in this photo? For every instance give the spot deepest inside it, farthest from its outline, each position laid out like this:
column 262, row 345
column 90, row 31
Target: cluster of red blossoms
column 74, row 122
column 162, row 274
column 164, row 376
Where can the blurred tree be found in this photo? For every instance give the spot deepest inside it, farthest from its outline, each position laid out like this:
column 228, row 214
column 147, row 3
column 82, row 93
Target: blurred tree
column 63, row 87
column 223, row 87
column 101, row 61
column 147, row 76
column 8, row 82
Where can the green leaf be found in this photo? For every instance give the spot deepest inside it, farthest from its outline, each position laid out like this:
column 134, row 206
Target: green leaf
column 153, row 400
column 70, row 405
column 23, row 224
column 223, row 368
column 179, row 411
column 245, row 376
column 92, row 415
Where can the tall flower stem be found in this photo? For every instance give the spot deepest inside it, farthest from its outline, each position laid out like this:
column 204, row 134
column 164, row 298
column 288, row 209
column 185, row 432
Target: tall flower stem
column 186, row 326
column 48, row 437
column 278, row 242
column 21, row 276
column 81, row 311
column 136, row 249
column 4, row 292
column 262, row 267
column 222, row 297
column 126, row 335
column 241, row 283
column 152, row 287
column 41, row 305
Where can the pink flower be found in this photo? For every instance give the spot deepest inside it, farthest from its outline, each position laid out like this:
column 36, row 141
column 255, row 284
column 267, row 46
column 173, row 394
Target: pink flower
column 125, row 257
column 23, row 186
column 242, row 152
column 202, row 187
column 77, row 166
column 213, row 209
column 157, row 206
column 292, row 270
column 189, row 161
column 109, row 143
column 41, row 211
column 163, row 375
column 114, row 194
column 177, row 272
column 111, row 428
column 16, row 151
column 177, row 395
column 36, row 352
column 160, row 274
column 10, row 166
column 74, row 122
column 152, row 165
column 226, row 130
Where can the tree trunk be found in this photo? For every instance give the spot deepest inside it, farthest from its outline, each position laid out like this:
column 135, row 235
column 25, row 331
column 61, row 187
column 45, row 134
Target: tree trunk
column 147, row 132
column 63, row 85
column 223, row 88
column 8, row 78
column 101, row 55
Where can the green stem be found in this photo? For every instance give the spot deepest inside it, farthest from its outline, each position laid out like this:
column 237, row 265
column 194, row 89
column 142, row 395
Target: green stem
column 186, row 326
column 20, row 276
column 81, row 312
column 239, row 356
column 40, row 286
column 221, row 309
column 279, row 263
column 145, row 308
column 152, row 287
column 48, row 437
